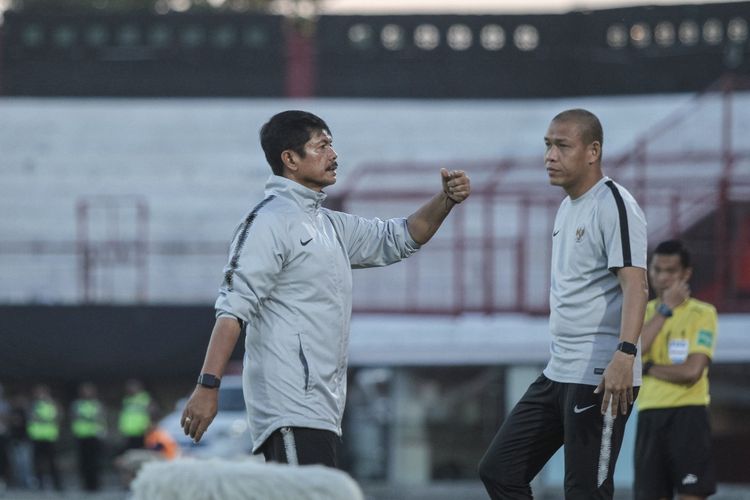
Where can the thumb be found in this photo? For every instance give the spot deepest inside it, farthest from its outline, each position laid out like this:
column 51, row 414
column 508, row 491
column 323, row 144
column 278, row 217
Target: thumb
column 445, row 174
column 599, row 387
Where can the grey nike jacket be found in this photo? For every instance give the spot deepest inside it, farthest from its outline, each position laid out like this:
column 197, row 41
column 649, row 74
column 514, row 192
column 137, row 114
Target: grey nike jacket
column 289, row 279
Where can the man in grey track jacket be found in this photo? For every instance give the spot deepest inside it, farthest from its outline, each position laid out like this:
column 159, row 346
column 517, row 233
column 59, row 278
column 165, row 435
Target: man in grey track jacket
column 289, row 281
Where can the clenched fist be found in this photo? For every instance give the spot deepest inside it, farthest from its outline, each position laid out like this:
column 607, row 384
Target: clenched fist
column 456, row 185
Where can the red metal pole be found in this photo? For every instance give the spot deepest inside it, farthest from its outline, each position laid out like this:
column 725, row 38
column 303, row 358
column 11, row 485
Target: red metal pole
column 521, row 248
column 674, row 215
column 82, row 248
column 2, row 65
column 459, row 270
column 640, row 169
column 488, row 252
column 300, row 60
column 726, row 128
column 141, row 249
column 722, row 240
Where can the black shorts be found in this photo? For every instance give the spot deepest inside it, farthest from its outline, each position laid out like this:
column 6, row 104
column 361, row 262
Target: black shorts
column 549, row 415
column 301, row 446
column 673, row 453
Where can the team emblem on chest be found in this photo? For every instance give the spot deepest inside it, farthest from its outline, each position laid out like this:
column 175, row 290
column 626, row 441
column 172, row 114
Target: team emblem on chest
column 579, row 234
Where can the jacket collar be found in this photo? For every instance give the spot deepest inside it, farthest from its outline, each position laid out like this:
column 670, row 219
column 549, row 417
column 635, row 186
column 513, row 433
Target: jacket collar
column 306, row 198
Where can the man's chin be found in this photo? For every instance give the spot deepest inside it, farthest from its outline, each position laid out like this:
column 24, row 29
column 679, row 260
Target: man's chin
column 327, row 182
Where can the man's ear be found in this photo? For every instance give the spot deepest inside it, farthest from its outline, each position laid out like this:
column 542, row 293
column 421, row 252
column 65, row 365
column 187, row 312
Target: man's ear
column 688, row 273
column 289, row 158
column 595, row 152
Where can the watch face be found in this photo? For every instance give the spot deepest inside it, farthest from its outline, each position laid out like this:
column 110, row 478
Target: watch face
column 208, row 380
column 664, row 310
column 627, row 348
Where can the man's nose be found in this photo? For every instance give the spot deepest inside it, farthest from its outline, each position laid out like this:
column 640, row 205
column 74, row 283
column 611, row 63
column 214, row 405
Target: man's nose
column 662, row 279
column 550, row 154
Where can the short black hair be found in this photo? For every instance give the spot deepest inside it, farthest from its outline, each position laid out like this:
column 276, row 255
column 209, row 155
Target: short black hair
column 674, row 247
column 288, row 130
column 590, row 126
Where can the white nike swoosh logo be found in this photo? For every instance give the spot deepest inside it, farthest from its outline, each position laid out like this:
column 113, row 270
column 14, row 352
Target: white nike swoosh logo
column 581, row 410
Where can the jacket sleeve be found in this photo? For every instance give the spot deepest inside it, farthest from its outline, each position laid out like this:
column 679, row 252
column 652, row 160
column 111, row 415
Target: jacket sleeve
column 373, row 242
column 256, row 257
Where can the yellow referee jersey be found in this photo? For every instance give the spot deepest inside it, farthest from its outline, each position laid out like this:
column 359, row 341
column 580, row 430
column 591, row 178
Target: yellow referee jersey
column 692, row 329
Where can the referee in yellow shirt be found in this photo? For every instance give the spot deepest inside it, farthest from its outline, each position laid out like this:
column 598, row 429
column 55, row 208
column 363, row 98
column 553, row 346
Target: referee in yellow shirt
column 673, row 441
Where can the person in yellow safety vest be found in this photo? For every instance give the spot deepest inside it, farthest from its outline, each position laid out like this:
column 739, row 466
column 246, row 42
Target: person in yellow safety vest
column 134, row 416
column 88, row 424
column 5, row 410
column 43, row 428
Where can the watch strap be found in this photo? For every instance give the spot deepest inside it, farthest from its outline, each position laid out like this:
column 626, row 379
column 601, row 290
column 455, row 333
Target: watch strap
column 647, row 367
column 664, row 310
column 208, row 380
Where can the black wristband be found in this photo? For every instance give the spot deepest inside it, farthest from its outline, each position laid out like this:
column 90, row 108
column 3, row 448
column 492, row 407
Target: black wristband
column 627, row 348
column 209, row 381
column 647, row 367
column 664, row 310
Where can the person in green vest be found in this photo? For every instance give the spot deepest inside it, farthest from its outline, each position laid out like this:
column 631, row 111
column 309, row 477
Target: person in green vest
column 134, row 415
column 88, row 424
column 43, row 428
column 5, row 476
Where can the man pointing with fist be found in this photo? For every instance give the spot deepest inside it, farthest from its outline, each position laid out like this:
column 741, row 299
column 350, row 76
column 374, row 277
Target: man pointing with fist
column 288, row 281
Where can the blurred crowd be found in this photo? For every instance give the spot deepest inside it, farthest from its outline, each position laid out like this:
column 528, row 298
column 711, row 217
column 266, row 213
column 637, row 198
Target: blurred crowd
column 32, row 425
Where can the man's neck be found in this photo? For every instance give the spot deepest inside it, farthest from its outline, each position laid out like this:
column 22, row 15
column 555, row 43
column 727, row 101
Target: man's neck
column 576, row 192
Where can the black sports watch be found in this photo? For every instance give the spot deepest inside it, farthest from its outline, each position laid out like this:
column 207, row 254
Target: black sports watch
column 664, row 310
column 647, row 367
column 627, row 348
column 209, row 381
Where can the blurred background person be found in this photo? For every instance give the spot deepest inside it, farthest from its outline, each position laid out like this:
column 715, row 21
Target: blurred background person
column 44, row 431
column 158, row 445
column 369, row 418
column 20, row 452
column 4, row 440
column 134, row 415
column 673, row 440
column 88, row 425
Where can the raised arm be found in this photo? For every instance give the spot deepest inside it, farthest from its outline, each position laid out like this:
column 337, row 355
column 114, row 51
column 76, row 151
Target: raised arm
column 427, row 219
column 675, row 295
